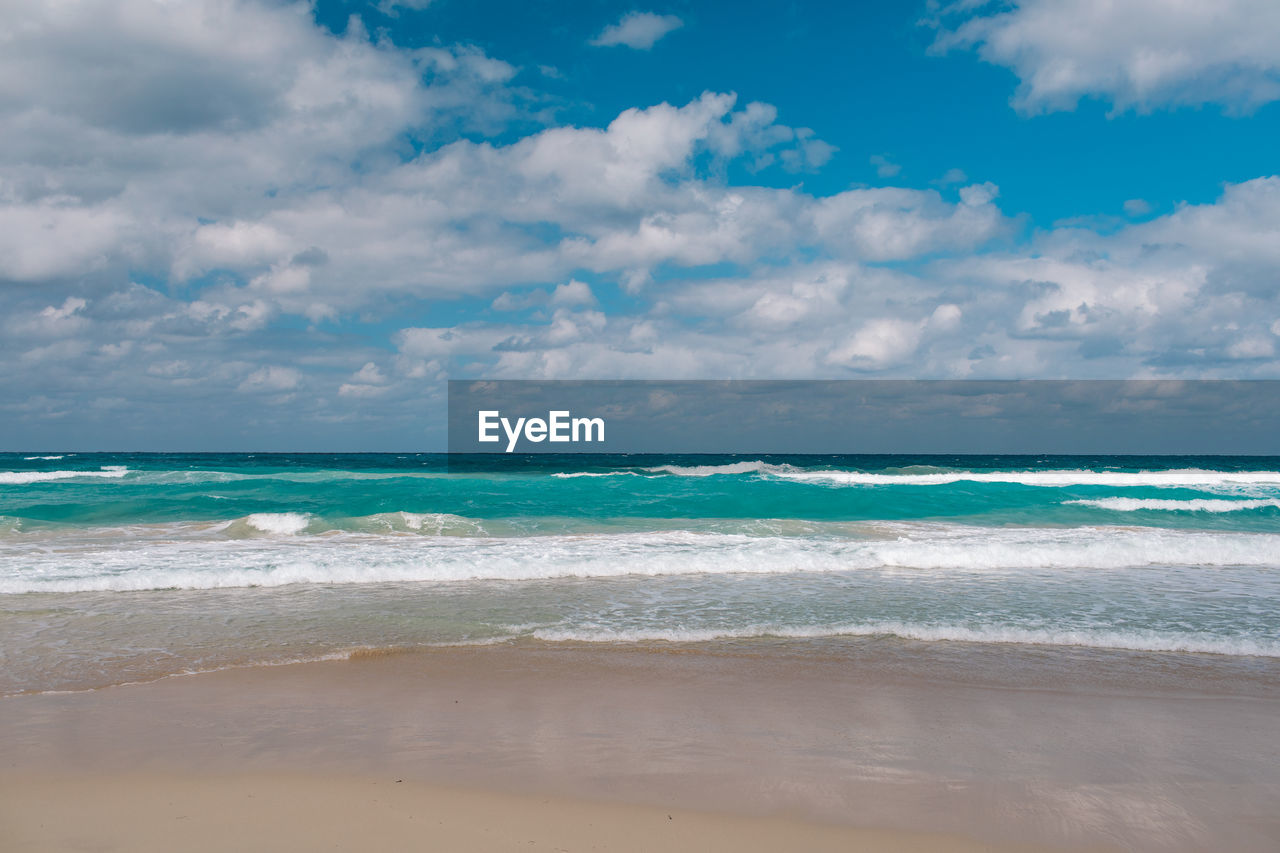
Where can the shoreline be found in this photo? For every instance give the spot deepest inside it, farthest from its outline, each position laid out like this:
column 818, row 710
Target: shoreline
column 1013, row 665
column 1044, row 750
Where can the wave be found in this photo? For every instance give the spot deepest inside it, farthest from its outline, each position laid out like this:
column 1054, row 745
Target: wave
column 1192, row 505
column 1133, row 640
column 281, row 557
column 1184, row 477
column 1189, row 477
column 281, row 523
column 755, row 467
column 423, row 523
column 294, row 523
column 22, row 478
column 308, row 476
column 168, row 477
column 29, row 458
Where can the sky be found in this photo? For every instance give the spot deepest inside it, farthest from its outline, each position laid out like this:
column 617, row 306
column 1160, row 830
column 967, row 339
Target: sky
column 264, row 225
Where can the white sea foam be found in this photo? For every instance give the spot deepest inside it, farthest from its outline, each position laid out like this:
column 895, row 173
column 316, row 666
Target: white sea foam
column 293, row 523
column 1189, row 477
column 22, row 478
column 289, row 476
column 279, row 523
column 29, row 458
column 1135, row 640
column 1191, row 505
column 569, row 475
column 281, row 558
column 437, row 523
column 754, row 467
column 1185, row 477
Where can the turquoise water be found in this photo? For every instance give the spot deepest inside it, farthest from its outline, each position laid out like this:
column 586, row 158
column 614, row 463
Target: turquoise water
column 580, row 492
column 123, row 566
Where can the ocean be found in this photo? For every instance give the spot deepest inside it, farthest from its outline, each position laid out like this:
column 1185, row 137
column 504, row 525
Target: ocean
column 125, row 567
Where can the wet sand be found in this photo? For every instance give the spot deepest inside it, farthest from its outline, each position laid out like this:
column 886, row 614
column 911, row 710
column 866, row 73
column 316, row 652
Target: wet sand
column 856, row 745
column 163, row 813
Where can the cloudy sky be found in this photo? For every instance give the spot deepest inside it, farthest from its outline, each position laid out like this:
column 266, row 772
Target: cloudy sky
column 254, row 224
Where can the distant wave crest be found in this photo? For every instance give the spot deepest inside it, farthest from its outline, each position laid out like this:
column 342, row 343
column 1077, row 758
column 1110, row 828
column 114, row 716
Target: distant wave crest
column 1191, row 505
column 22, row 478
column 1184, row 477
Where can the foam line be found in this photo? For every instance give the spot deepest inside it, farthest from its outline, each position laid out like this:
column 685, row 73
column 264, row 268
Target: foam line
column 22, row 478
column 1192, row 505
column 1149, row 641
column 284, row 557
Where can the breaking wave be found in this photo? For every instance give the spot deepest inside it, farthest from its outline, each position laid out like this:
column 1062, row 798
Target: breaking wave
column 281, row 556
column 22, row 478
column 1191, row 505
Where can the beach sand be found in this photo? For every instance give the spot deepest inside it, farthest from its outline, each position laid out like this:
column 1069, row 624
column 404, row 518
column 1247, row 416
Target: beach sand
column 748, row 746
column 164, row 813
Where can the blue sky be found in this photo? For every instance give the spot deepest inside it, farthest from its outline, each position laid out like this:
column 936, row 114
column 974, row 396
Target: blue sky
column 862, row 75
column 239, row 224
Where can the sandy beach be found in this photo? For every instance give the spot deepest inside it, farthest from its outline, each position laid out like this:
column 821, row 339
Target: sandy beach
column 159, row 812
column 753, row 746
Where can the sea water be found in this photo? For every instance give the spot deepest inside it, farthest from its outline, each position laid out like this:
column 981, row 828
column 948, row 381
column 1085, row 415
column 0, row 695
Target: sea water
column 126, row 567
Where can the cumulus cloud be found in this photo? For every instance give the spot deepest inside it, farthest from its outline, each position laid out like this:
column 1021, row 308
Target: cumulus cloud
column 894, row 224
column 368, row 381
column 271, row 378
column 145, row 135
column 878, row 343
column 637, row 30
column 256, row 249
column 1191, row 293
column 1137, row 54
column 1193, row 290
column 573, row 293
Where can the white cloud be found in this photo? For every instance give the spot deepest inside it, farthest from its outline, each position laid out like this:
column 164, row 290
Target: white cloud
column 160, row 136
column 892, row 224
column 1138, row 54
column 878, row 343
column 251, row 315
column 370, row 374
column 70, row 306
column 271, row 379
column 167, row 257
column 573, row 293
column 1193, row 290
column 1192, row 293
column 885, row 168
column 368, row 381
column 638, row 30
column 1137, row 207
